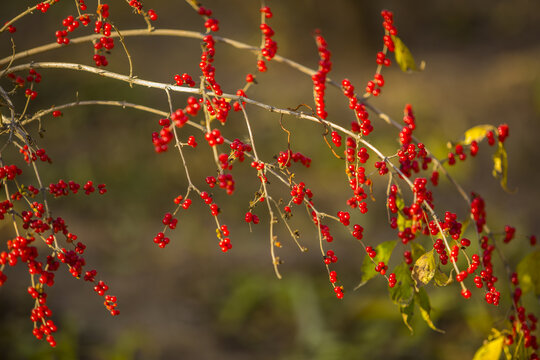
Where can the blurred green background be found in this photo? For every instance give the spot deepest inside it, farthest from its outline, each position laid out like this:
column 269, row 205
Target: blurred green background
column 191, row 301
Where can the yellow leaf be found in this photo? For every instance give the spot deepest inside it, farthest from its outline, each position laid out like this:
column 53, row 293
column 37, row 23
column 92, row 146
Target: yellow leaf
column 441, row 279
column 528, row 271
column 491, row 350
column 477, row 133
column 500, row 165
column 407, row 312
column 424, row 269
column 403, row 55
column 422, row 300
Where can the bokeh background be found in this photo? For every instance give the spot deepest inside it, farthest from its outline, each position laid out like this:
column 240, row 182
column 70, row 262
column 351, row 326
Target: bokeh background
column 189, row 300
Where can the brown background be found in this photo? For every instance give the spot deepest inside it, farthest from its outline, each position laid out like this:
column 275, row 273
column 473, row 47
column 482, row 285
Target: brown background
column 191, row 301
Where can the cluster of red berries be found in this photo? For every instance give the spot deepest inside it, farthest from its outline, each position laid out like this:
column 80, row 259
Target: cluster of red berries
column 330, row 257
column 152, row 15
column 33, row 76
column 208, row 70
column 111, row 304
column 225, row 242
column 358, row 232
column 371, row 251
column 103, row 10
column 388, row 22
column 339, row 292
column 34, row 155
column 392, row 281
column 43, row 6
column 319, row 78
column 391, row 199
column 405, row 136
column 18, row 80
column 478, row 211
column 224, row 181
column 82, row 5
column 374, row 86
column 239, row 149
column 325, row 232
column 525, row 323
column 362, row 123
column 89, row 188
column 389, row 43
column 164, row 137
column 270, row 46
column 441, row 250
column 509, row 233
column 30, row 93
column 333, row 277
column 211, row 24
column 103, row 28
column 39, row 315
column 214, row 137
column 344, row 217
column 381, row 166
column 136, row 4
column 179, row 118
column 62, row 188
column 298, row 192
column 169, row 221
column 381, row 267
column 336, row 138
column 104, row 42
column 250, row 217
column 161, row 240
column 71, row 24
column 9, row 172
column 214, row 209
column 285, row 157
column 219, row 107
column 409, row 157
column 184, row 79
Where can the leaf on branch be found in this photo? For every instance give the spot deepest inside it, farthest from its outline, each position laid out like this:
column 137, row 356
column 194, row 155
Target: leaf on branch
column 403, row 55
column 441, row 279
column 477, row 133
column 384, row 251
column 407, row 312
column 491, row 350
column 402, row 221
column 422, row 300
column 424, row 269
column 403, row 292
column 528, row 271
column 500, row 165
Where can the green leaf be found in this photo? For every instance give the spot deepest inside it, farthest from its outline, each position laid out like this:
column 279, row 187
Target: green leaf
column 403, row 55
column 441, row 279
column 477, row 133
column 384, row 251
column 424, row 269
column 407, row 312
column 490, row 350
column 422, row 300
column 403, row 222
column 500, row 165
column 402, row 293
column 528, row 271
